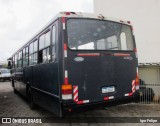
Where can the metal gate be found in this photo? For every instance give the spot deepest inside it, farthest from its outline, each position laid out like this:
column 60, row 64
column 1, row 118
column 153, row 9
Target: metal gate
column 149, row 94
column 149, row 74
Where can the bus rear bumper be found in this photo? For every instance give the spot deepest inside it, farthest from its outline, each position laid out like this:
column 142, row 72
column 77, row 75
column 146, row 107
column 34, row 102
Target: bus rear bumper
column 74, row 107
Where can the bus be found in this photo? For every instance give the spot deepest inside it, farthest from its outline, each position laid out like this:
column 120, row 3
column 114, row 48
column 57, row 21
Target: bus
column 77, row 61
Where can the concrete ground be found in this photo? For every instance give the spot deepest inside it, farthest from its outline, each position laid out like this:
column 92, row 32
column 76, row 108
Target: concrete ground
column 13, row 105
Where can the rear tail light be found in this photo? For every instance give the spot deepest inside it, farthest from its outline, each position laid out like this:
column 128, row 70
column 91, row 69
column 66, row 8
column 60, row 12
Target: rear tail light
column 129, row 22
column 135, row 51
column 137, row 80
column 67, row 13
column 66, row 91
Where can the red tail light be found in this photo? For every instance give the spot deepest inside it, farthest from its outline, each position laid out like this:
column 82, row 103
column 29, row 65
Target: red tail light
column 129, row 22
column 66, row 91
column 67, row 13
column 137, row 80
column 135, row 51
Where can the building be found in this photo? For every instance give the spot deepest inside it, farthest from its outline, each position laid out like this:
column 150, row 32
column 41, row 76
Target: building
column 149, row 73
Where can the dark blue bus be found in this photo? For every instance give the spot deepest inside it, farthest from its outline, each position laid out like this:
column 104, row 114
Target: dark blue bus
column 78, row 61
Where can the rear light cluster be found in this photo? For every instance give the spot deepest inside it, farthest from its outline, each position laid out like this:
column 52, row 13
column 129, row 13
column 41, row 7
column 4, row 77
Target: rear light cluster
column 66, row 91
column 137, row 80
column 108, row 98
column 135, row 51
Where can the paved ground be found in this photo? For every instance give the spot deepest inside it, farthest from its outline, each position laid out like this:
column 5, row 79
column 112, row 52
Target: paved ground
column 13, row 105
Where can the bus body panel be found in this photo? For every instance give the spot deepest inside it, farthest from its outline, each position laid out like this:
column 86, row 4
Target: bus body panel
column 43, row 79
column 93, row 70
column 96, row 72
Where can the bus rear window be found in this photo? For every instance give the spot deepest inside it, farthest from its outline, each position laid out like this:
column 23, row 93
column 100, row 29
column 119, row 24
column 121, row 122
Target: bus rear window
column 90, row 34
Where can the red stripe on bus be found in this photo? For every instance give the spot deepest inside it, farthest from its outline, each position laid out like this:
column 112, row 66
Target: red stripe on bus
column 63, row 19
column 65, row 46
column 75, row 92
column 130, row 94
column 121, row 54
column 76, row 99
column 80, row 102
column 135, row 49
column 66, row 80
column 88, row 54
column 106, row 98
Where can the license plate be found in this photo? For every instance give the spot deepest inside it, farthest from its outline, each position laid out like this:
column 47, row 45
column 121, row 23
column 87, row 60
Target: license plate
column 108, row 89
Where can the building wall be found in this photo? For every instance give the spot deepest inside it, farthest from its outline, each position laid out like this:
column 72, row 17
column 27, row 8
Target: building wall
column 151, row 76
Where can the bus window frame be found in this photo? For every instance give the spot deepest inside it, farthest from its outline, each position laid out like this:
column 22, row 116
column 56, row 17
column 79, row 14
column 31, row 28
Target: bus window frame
column 26, row 54
column 48, row 29
column 19, row 58
column 130, row 26
column 55, row 44
column 34, row 52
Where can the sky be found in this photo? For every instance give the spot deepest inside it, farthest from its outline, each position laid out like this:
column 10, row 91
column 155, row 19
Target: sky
column 21, row 19
column 145, row 18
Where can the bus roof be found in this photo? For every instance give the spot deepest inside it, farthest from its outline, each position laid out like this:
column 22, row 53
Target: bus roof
column 75, row 15
column 91, row 15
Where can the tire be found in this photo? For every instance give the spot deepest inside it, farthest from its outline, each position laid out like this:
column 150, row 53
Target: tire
column 30, row 99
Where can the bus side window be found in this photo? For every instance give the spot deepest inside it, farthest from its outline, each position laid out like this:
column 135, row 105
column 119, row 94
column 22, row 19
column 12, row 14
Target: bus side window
column 25, row 56
column 16, row 58
column 13, row 62
column 30, row 54
column 44, row 46
column 53, row 43
column 33, row 52
column 19, row 59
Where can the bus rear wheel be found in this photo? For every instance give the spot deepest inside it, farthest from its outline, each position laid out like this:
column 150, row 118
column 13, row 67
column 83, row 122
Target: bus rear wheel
column 30, row 99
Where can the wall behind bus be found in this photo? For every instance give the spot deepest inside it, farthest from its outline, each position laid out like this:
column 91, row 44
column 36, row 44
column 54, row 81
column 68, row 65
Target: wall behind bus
column 145, row 17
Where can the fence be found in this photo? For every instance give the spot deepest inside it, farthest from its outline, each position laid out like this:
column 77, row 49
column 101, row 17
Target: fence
column 149, row 94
